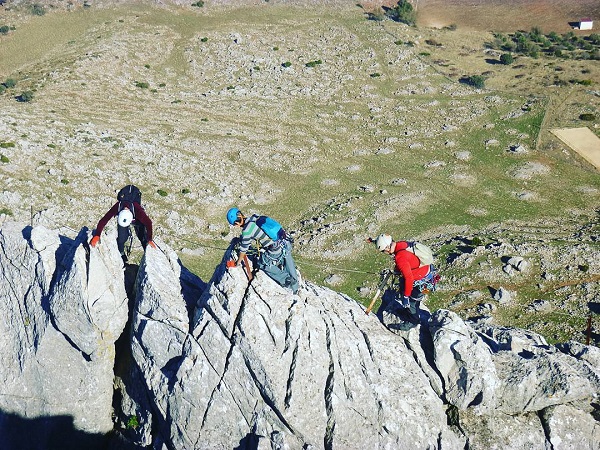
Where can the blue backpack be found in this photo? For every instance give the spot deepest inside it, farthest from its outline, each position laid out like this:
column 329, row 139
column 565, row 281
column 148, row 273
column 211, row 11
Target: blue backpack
column 272, row 228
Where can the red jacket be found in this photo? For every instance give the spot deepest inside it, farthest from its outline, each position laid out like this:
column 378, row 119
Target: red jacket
column 138, row 213
column 408, row 265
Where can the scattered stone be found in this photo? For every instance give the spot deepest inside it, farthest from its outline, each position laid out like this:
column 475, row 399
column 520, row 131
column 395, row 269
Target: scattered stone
column 485, row 308
column 502, row 296
column 463, row 156
column 518, row 149
column 333, row 280
column 540, row 306
column 518, row 263
column 435, row 164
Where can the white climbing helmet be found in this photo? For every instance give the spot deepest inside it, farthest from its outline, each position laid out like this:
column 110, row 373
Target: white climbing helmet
column 125, row 218
column 383, row 241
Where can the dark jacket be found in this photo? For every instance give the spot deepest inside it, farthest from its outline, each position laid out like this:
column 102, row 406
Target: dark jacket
column 138, row 213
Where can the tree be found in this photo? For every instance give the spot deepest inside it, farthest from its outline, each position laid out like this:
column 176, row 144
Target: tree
column 403, row 12
column 477, row 81
column 506, row 59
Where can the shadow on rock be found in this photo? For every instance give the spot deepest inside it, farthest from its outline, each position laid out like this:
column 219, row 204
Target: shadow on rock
column 46, row 433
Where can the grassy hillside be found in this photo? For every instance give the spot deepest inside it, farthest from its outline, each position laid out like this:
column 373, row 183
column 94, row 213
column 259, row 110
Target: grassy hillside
column 338, row 126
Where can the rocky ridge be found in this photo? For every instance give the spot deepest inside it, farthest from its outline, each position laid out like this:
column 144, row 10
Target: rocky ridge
column 227, row 364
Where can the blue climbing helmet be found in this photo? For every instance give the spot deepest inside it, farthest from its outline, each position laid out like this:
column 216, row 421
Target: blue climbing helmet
column 232, row 215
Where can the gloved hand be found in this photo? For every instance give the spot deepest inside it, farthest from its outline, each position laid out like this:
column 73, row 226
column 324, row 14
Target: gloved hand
column 406, row 301
column 230, row 264
column 94, row 241
column 152, row 244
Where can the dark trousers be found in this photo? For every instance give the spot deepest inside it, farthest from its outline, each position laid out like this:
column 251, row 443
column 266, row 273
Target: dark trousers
column 124, row 232
column 414, row 302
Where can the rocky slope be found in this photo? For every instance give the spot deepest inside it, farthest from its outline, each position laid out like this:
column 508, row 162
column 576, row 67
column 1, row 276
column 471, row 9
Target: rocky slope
column 235, row 365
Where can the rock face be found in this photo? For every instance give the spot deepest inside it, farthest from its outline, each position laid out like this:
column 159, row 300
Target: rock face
column 230, row 364
column 63, row 307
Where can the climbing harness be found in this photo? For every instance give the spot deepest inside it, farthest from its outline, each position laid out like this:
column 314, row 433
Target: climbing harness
column 428, row 284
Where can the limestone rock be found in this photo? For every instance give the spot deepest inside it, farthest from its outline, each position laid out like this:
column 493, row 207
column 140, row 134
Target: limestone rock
column 51, row 385
column 261, row 363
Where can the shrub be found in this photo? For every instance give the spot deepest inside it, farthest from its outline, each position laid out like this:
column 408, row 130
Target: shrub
column 162, row 193
column 64, row 181
column 584, row 267
column 476, row 241
column 185, row 191
column 433, row 42
column 7, row 144
column 314, row 63
column 10, row 83
column 587, row 116
column 375, row 75
column 477, row 81
column 204, row 39
column 198, row 4
column 506, row 59
column 287, row 64
column 37, row 9
column 4, row 159
column 4, row 29
column 142, row 84
column 26, row 96
column 402, row 12
column 133, row 422
column 6, row 212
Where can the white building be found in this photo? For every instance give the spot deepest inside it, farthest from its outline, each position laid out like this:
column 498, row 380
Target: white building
column 586, row 24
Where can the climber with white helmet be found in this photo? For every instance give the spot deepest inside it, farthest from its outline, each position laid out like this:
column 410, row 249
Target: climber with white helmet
column 273, row 243
column 129, row 212
column 413, row 264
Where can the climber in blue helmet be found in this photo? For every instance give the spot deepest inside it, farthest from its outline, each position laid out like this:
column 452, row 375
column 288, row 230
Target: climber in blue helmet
column 275, row 257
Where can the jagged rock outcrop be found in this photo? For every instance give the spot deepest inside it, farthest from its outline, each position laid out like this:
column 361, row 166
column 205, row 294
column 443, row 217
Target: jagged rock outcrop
column 230, row 364
column 262, row 365
column 62, row 307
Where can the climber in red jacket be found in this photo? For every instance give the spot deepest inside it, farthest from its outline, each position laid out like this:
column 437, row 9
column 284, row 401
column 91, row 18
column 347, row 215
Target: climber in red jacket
column 409, row 267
